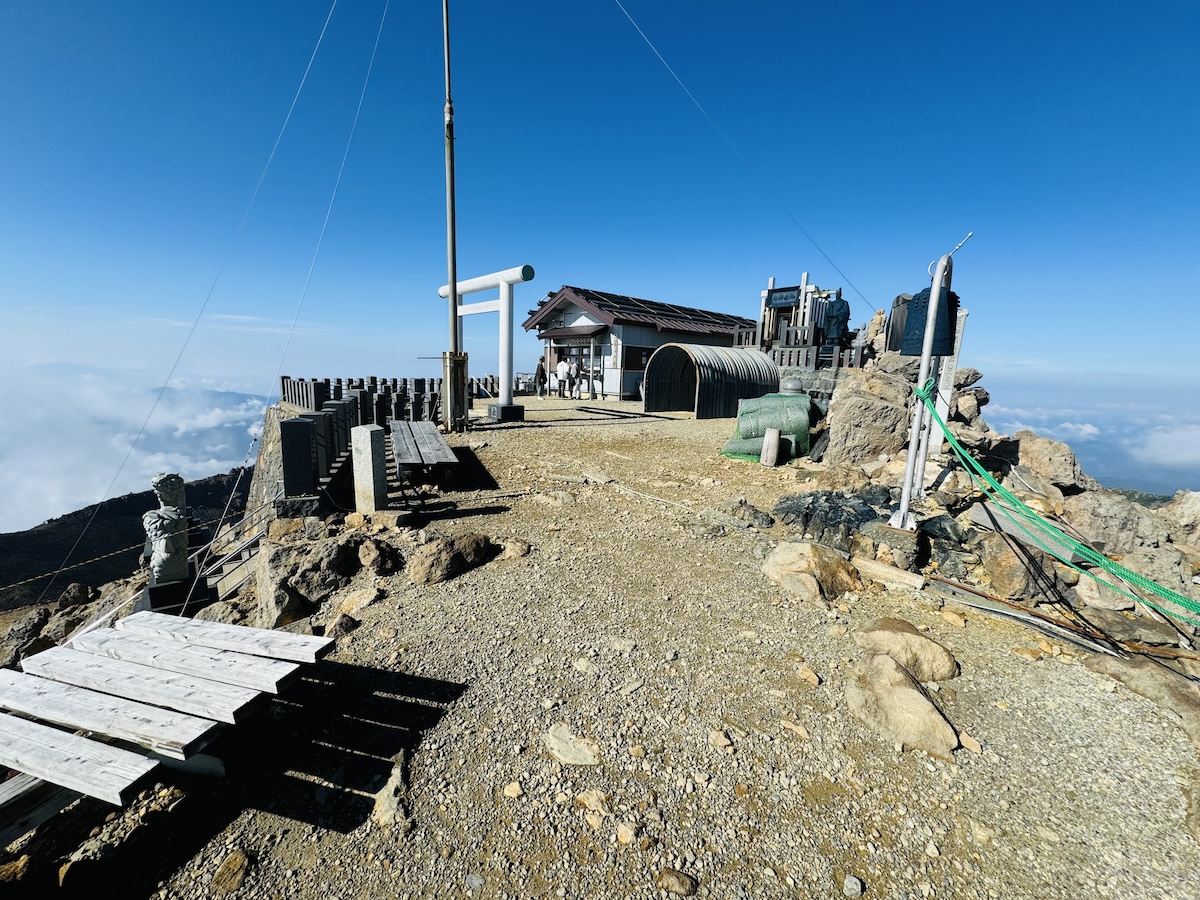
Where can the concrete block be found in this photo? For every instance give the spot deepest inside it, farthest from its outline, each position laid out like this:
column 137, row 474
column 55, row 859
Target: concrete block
column 370, row 468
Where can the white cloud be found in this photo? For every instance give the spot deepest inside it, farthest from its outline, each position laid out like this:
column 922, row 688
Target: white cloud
column 1176, row 447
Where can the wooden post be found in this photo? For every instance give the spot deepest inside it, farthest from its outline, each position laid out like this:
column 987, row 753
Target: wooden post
column 770, row 448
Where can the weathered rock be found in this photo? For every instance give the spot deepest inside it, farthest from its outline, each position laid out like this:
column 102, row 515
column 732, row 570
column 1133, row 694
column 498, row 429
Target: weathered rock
column 390, row 807
column 923, row 657
column 841, row 477
column 965, row 376
column 443, row 558
column 803, row 587
column 868, row 415
column 230, row 874
column 755, row 517
column 515, row 549
column 1182, row 516
column 885, row 698
column 569, row 748
column 1016, row 573
column 224, row 612
column 1052, row 460
column 341, row 626
column 945, row 527
column 78, row 594
column 892, row 546
column 675, row 882
column 827, row 517
column 1135, row 629
column 1100, row 596
column 833, row 573
column 951, row 560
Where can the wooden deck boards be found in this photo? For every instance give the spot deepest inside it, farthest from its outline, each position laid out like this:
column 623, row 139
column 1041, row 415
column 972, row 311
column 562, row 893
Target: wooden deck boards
column 185, row 693
column 257, row 672
column 254, row 641
column 89, row 767
column 419, row 444
column 164, row 731
column 157, row 681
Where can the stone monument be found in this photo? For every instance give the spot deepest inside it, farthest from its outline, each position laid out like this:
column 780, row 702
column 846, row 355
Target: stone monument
column 167, row 529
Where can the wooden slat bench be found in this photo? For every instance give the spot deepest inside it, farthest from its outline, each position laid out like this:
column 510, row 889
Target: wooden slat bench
column 157, row 682
column 418, row 445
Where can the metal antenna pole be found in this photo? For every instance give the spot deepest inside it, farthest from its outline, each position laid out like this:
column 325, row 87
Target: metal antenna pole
column 902, row 518
column 454, row 365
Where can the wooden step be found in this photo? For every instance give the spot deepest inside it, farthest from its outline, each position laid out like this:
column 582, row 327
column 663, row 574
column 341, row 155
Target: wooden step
column 254, row 641
column 164, row 731
column 89, row 767
column 227, row 666
column 186, row 693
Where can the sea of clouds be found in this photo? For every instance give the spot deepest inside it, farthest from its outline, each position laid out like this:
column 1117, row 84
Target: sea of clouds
column 82, row 434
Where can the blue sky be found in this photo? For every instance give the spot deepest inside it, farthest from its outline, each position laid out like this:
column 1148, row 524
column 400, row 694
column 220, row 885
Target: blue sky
column 134, row 135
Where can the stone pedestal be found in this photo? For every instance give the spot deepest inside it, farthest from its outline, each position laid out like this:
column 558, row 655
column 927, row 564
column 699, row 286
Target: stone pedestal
column 506, row 412
column 170, row 596
column 370, row 468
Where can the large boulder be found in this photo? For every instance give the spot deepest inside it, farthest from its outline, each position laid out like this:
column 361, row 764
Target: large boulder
column 868, row 415
column 294, row 579
column 1052, row 460
column 923, row 657
column 1017, row 572
column 443, row 558
column 882, row 695
column 829, row 517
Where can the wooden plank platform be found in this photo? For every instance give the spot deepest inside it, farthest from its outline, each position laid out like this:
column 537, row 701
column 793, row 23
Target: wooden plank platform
column 257, row 672
column 164, row 731
column 185, row 693
column 160, row 682
column 98, row 770
column 254, row 641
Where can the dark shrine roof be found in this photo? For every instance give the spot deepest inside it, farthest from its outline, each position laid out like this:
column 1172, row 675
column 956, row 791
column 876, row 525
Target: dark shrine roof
column 613, row 309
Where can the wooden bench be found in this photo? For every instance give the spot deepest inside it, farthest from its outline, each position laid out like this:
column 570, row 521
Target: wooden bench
column 161, row 683
column 418, row 445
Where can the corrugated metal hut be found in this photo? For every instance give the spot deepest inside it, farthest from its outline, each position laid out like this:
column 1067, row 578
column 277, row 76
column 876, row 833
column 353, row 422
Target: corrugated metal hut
column 708, row 381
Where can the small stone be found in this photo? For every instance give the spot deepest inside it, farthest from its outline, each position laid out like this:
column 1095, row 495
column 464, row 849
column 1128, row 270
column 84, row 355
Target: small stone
column 474, row 882
column 570, row 749
column 719, row 739
column 970, row 743
column 675, row 882
column 852, row 886
column 637, row 751
column 630, row 687
column 584, row 665
column 931, row 849
column 805, row 671
column 596, row 801
column 621, row 644
column 594, row 819
column 1027, row 653
column 1047, row 834
column 513, row 790
column 958, row 620
column 626, row 833
column 795, row 728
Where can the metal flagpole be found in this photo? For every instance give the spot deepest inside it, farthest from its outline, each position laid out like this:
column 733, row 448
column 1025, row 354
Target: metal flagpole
column 454, row 362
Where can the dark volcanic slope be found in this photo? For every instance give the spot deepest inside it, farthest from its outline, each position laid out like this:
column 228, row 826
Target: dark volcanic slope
column 117, row 526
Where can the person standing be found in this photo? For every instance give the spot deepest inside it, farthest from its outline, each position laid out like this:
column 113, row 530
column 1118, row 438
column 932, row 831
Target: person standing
column 573, row 378
column 539, row 378
column 561, row 371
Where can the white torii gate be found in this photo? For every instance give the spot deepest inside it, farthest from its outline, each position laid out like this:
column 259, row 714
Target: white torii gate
column 503, row 305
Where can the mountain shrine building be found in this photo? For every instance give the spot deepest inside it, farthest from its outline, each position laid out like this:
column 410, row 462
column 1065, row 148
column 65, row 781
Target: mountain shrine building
column 613, row 336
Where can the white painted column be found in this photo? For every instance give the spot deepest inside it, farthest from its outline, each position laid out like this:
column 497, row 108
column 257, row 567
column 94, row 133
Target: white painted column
column 506, row 343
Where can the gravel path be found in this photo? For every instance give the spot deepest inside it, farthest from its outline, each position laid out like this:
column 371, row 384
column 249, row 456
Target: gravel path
column 648, row 631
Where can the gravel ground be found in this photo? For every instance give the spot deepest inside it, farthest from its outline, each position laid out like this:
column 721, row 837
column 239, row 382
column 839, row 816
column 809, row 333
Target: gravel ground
column 644, row 627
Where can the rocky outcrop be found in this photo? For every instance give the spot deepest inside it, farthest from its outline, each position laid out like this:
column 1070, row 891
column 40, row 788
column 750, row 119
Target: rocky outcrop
column 868, row 415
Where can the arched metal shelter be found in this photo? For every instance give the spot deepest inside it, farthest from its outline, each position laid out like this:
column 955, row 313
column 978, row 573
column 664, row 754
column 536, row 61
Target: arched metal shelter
column 706, row 380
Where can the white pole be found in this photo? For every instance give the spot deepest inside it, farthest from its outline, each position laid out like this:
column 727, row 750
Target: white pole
column 506, row 343
column 902, row 518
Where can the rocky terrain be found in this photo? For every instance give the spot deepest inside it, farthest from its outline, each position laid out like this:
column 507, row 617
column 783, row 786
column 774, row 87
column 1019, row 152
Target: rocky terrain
column 612, row 663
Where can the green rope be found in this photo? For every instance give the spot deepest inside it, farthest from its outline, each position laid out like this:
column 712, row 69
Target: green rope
column 1053, row 541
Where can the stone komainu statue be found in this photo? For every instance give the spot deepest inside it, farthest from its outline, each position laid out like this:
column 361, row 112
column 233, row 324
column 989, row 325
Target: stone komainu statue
column 167, row 529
